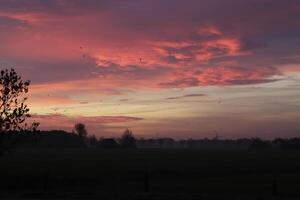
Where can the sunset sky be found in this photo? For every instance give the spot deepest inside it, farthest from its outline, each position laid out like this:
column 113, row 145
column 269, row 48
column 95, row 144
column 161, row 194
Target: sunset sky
column 164, row 68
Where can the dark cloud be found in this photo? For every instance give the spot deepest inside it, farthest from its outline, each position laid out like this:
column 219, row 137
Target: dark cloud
column 124, row 100
column 131, row 72
column 6, row 22
column 55, row 7
column 47, row 72
column 181, row 83
column 247, row 45
column 249, row 82
column 88, row 119
column 186, row 96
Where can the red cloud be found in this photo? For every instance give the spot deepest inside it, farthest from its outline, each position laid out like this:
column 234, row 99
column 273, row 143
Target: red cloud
column 219, row 75
column 75, row 47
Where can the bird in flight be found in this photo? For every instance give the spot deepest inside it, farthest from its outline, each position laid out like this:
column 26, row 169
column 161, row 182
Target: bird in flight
column 83, row 55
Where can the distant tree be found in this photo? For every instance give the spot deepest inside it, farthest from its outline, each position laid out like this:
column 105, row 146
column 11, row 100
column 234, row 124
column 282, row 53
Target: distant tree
column 278, row 142
column 80, row 130
column 258, row 143
column 13, row 108
column 92, row 140
column 291, row 143
column 109, row 143
column 128, row 140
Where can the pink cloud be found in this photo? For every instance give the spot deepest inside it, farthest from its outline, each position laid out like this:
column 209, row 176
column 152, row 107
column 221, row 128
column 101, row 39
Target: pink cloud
column 222, row 75
column 75, row 47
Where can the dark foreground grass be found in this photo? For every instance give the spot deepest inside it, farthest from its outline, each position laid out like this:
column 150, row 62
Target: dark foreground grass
column 149, row 174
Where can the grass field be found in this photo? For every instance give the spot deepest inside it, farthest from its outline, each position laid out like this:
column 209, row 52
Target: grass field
column 149, row 174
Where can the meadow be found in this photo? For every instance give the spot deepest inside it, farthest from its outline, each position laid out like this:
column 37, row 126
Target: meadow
column 149, row 174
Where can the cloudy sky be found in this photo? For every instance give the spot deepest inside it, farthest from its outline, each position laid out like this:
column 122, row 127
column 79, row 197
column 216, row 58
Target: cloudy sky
column 164, row 68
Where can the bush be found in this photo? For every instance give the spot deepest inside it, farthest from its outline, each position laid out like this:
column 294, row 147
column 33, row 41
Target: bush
column 128, row 140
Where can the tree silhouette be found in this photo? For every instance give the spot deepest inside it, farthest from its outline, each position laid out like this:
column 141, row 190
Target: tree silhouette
column 80, row 130
column 128, row 140
column 92, row 140
column 13, row 108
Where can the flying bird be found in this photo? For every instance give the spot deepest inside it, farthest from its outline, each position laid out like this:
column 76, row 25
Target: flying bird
column 83, row 55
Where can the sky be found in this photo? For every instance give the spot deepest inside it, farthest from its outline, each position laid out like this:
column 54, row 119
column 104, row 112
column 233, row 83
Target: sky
column 163, row 68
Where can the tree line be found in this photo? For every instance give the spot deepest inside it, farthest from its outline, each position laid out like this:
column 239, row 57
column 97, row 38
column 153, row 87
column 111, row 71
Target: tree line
column 127, row 140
